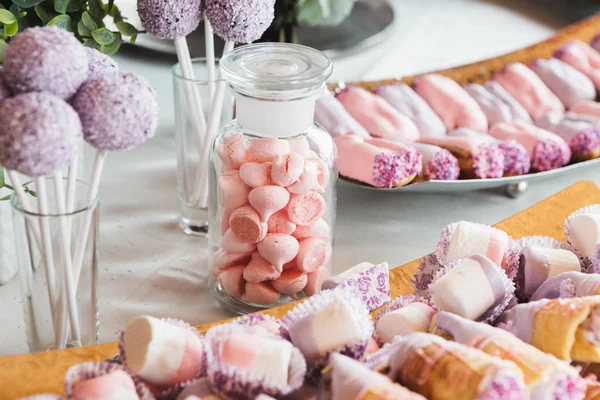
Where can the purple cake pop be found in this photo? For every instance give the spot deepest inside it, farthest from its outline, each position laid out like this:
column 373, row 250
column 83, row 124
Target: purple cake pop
column 4, row 90
column 170, row 19
column 240, row 21
column 39, row 133
column 99, row 64
column 45, row 59
column 118, row 111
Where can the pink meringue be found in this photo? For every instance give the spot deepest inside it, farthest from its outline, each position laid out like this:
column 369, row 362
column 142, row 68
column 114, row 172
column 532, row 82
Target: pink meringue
column 315, row 281
column 232, row 280
column 232, row 192
column 246, row 225
column 313, row 253
column 231, row 244
column 318, row 229
column 268, row 200
column 278, row 249
column 260, row 270
column 260, row 293
column 266, row 149
column 256, row 174
column 279, row 222
column 290, row 282
column 287, row 169
column 300, row 145
column 233, row 152
column 306, row 209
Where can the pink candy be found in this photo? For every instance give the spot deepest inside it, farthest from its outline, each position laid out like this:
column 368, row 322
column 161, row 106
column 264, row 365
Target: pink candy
column 274, row 241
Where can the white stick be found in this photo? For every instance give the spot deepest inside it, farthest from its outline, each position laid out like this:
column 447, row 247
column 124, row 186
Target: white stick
column 67, row 268
column 72, row 184
column 24, row 201
column 55, row 308
column 214, row 120
column 209, row 44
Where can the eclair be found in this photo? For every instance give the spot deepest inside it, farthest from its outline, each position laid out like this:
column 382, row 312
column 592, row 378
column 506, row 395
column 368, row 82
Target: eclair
column 331, row 115
column 570, row 85
column 581, row 57
column 496, row 103
column 438, row 164
column 581, row 132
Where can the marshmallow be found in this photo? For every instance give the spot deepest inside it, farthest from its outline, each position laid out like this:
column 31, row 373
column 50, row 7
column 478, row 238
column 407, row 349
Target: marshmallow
column 246, row 225
column 260, row 293
column 266, row 149
column 160, row 352
column 537, row 264
column 414, row 317
column 327, row 329
column 287, row 169
column 306, row 209
column 233, row 152
column 232, row 280
column 584, row 233
column 200, row 389
column 314, row 252
column 331, row 115
column 280, row 222
column 278, row 249
column 469, row 238
column 267, row 358
column 372, row 346
column 256, row 174
column 232, row 192
column 116, row 385
column 231, row 244
column 570, row 85
column 315, row 281
column 291, row 282
column 496, row 103
column 319, row 229
column 260, row 270
column 268, row 200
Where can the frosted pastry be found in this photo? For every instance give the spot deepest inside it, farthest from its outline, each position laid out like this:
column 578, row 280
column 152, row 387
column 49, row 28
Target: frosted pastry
column 539, row 264
column 496, row 103
column 374, row 165
column 437, row 163
column 569, row 328
column 161, row 352
column 413, row 317
column 568, row 284
column 247, row 226
column 450, row 101
column 352, row 380
column 591, row 108
column 581, row 132
column 546, row 149
column 278, row 249
column 528, row 89
column 583, row 58
column 473, row 287
column 376, row 115
column 404, row 99
column 570, row 85
column 233, row 152
column 331, row 115
column 545, row 376
column 439, row 369
column 516, row 158
column 267, row 200
column 582, row 230
column 477, row 157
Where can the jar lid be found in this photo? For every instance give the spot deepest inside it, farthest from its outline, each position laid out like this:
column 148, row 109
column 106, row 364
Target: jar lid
column 276, row 71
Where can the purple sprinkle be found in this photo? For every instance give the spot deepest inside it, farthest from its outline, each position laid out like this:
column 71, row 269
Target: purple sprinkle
column 550, row 154
column 99, row 64
column 391, row 169
column 240, row 21
column 585, row 141
column 45, row 60
column 442, row 167
column 170, row 19
column 516, row 158
column 488, row 161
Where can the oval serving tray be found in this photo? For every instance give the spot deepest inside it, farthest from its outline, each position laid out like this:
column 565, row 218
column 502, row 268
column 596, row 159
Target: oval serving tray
column 481, row 72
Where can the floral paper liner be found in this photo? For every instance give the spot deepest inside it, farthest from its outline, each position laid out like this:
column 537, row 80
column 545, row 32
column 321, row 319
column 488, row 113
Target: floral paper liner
column 308, row 307
column 396, row 304
column 371, row 285
column 428, row 267
column 236, row 383
column 586, row 263
column 173, row 390
column 90, row 370
column 382, row 358
column 255, row 319
column 490, row 316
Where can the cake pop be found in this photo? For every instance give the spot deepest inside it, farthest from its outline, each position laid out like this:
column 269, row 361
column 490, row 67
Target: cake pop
column 170, row 19
column 99, row 64
column 4, row 90
column 45, row 59
column 240, row 21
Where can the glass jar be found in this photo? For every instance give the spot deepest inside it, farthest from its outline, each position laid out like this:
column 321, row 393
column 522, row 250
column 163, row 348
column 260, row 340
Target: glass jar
column 273, row 175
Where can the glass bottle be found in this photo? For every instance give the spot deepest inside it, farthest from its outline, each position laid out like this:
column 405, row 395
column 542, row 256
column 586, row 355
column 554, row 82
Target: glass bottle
column 273, row 175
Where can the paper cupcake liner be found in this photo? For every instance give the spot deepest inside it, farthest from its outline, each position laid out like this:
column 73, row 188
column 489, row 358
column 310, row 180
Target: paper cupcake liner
column 396, row 304
column 235, row 383
column 90, row 370
column 428, row 266
column 256, row 319
column 511, row 259
column 372, row 286
column 173, row 390
column 116, row 359
column 586, row 263
column 490, row 316
column 381, row 360
column 308, row 307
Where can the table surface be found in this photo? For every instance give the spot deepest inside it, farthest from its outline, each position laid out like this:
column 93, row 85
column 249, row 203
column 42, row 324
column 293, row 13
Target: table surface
column 148, row 266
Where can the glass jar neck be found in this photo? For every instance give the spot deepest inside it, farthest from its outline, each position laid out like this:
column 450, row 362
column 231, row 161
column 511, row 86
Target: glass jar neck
column 270, row 118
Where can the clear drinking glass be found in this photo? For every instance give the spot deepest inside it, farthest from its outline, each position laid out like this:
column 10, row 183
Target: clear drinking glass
column 41, row 263
column 193, row 218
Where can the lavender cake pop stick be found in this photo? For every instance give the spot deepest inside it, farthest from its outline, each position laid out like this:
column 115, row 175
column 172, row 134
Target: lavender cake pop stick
column 209, row 44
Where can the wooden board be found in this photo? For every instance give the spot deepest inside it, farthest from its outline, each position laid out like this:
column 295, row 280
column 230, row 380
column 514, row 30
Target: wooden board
column 26, row 375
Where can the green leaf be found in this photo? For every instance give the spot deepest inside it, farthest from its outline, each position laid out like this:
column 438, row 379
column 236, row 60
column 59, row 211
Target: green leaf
column 6, row 17
column 62, row 21
column 133, row 39
column 5, row 198
column 104, row 37
column 43, row 13
column 60, row 6
column 88, row 21
column 91, row 43
column 96, row 9
column 114, row 47
column 27, row 3
column 11, row 29
column 83, row 30
column 2, row 48
column 1, row 177
column 126, row 28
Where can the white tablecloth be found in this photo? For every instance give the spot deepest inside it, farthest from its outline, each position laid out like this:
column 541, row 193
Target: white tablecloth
column 148, row 266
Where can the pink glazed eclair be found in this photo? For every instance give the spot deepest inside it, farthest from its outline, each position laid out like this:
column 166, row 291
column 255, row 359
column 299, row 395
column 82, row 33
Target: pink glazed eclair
column 331, row 115
column 497, row 104
column 570, row 85
column 438, row 164
column 581, row 132
column 450, row 101
column 529, row 90
column 581, row 57
column 376, row 115
column 375, row 165
column 591, row 108
column 546, row 149
column 404, row 99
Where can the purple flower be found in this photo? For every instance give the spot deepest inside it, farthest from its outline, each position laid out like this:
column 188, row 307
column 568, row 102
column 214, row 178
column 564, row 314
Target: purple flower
column 363, row 284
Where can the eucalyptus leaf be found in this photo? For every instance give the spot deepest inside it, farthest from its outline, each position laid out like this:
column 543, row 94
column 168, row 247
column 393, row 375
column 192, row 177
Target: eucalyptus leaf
column 75, row 6
column 43, row 13
column 104, row 37
column 62, row 21
column 115, row 13
column 96, row 9
column 133, row 39
column 126, row 28
column 113, row 47
column 27, row 3
column 5, row 198
column 2, row 48
column 1, row 177
column 60, row 6
column 88, row 21
column 2, row 7
column 91, row 43
column 6, row 17
column 83, row 30
column 11, row 29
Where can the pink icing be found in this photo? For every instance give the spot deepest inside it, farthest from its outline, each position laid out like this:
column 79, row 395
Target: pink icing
column 191, row 363
column 583, row 58
column 103, row 386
